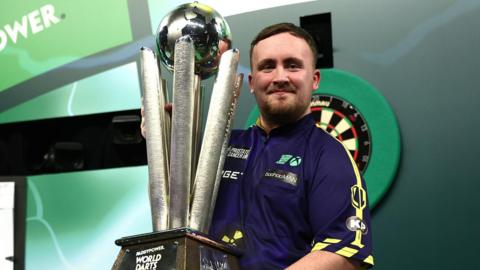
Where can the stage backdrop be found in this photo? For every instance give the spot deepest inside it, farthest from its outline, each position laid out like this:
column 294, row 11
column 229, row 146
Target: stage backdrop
column 65, row 59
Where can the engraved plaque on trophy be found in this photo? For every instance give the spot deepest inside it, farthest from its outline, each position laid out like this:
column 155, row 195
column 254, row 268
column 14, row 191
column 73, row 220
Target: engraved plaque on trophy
column 194, row 43
column 175, row 249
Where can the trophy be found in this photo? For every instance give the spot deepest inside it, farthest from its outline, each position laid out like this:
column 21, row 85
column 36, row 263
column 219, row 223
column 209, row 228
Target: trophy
column 194, row 42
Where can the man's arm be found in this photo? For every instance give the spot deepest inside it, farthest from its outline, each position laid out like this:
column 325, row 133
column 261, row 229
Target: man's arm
column 342, row 227
column 324, row 260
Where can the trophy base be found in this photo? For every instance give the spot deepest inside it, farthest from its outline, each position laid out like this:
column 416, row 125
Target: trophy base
column 181, row 249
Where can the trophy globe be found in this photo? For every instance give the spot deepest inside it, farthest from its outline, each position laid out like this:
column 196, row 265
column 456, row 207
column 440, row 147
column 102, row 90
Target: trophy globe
column 206, row 27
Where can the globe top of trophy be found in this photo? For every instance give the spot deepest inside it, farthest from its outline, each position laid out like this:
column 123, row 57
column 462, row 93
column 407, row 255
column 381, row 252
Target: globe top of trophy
column 205, row 26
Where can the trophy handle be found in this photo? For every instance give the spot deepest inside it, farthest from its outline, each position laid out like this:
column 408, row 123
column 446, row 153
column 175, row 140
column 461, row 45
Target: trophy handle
column 216, row 131
column 157, row 150
column 182, row 132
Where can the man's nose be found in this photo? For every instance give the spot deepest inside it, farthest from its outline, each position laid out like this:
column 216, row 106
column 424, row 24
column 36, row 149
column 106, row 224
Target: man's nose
column 281, row 76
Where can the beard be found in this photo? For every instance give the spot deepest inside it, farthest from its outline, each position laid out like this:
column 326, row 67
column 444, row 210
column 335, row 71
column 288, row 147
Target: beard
column 282, row 111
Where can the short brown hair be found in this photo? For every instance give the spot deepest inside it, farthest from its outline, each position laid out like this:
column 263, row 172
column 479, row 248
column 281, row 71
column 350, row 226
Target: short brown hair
column 284, row 28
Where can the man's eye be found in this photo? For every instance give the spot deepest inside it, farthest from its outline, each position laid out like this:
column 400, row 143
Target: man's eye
column 267, row 68
column 293, row 66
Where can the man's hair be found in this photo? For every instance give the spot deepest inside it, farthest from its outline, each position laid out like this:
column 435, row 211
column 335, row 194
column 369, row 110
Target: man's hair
column 285, row 28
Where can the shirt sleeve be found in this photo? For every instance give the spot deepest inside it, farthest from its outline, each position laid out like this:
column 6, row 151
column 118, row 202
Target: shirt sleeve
column 338, row 206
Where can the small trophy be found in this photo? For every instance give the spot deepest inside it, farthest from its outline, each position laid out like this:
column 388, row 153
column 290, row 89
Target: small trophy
column 194, row 42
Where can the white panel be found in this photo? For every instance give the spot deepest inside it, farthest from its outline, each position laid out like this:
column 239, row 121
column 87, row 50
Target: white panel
column 7, row 191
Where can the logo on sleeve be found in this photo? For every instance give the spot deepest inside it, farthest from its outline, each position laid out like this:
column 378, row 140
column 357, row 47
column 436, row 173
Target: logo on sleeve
column 359, row 197
column 293, row 161
column 284, row 176
column 355, row 224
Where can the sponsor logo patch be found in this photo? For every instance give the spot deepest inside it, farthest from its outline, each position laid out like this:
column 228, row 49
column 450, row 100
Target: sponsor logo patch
column 240, row 153
column 355, row 224
column 293, row 161
column 231, row 174
column 284, row 176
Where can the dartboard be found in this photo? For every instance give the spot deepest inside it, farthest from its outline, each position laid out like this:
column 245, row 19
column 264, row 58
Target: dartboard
column 352, row 110
column 343, row 121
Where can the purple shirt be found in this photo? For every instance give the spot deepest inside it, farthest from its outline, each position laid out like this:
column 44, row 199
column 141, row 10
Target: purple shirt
column 287, row 193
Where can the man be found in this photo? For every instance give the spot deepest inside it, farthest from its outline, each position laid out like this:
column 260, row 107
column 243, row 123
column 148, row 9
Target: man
column 291, row 195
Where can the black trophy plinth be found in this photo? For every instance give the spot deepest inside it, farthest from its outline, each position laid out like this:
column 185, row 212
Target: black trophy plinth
column 181, row 249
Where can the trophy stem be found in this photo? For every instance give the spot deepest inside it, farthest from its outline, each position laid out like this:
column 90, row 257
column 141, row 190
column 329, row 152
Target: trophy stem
column 223, row 154
column 166, row 125
column 157, row 151
column 213, row 140
column 182, row 132
column 197, row 125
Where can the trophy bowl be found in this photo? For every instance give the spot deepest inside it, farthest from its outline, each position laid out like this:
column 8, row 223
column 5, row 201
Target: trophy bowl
column 205, row 26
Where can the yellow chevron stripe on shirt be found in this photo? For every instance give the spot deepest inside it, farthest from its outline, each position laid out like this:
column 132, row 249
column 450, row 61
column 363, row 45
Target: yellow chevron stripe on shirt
column 331, row 240
column 319, row 246
column 369, row 260
column 325, row 243
column 347, row 252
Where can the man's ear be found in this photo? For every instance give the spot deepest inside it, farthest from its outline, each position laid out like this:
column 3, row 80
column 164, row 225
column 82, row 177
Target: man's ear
column 316, row 79
column 250, row 84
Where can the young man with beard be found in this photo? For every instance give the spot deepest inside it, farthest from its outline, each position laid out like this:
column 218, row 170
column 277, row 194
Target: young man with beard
column 293, row 197
column 297, row 199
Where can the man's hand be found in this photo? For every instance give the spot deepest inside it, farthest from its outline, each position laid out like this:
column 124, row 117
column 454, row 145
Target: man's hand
column 167, row 108
column 142, row 123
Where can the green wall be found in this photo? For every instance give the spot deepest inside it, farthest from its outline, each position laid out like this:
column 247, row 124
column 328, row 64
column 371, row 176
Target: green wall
column 73, row 219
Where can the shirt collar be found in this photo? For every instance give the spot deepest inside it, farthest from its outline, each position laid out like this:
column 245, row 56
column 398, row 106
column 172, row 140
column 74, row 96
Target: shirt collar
column 294, row 127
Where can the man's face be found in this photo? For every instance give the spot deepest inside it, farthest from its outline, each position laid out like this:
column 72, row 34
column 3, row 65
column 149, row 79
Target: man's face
column 283, row 78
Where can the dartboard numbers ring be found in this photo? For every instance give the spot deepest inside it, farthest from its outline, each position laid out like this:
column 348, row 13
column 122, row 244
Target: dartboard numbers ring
column 344, row 122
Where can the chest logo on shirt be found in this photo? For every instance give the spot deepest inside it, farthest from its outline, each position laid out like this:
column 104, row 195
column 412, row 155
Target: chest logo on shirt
column 231, row 174
column 291, row 160
column 240, row 153
column 284, row 176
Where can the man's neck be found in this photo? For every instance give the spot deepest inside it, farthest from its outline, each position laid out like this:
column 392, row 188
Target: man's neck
column 267, row 126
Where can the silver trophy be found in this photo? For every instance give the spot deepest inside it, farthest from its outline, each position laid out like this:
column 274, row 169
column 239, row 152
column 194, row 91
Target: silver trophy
column 194, row 42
